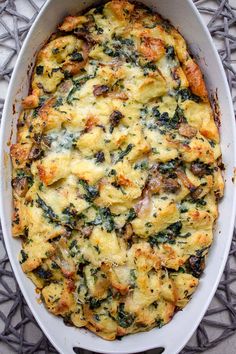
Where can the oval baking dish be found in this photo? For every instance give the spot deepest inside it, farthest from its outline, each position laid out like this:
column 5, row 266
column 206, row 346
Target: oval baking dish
column 167, row 339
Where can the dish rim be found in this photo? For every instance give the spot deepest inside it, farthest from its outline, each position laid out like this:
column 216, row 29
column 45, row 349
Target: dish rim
column 5, row 233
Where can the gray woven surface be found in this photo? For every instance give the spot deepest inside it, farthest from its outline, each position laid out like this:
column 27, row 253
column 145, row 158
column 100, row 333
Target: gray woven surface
column 18, row 330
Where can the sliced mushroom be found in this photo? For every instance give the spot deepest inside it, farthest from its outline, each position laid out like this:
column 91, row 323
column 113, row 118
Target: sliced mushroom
column 65, row 86
column 143, row 207
column 100, row 90
column 197, row 194
column 115, row 118
column 159, row 182
column 73, row 67
column 127, row 231
column 185, row 180
column 83, row 33
column 86, row 231
column 46, row 141
column 199, row 169
column 63, row 259
column 155, row 184
column 187, row 131
column 100, row 157
column 85, row 51
column 20, row 186
column 171, row 185
column 35, row 152
column 197, row 265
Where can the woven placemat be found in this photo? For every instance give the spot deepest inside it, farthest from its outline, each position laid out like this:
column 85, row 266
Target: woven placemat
column 19, row 331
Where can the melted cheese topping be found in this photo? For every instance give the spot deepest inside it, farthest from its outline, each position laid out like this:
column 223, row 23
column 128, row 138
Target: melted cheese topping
column 116, row 171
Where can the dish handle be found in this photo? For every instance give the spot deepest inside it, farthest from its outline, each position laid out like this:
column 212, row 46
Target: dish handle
column 159, row 350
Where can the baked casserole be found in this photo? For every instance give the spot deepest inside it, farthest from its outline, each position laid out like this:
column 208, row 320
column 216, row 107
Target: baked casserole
column 116, row 171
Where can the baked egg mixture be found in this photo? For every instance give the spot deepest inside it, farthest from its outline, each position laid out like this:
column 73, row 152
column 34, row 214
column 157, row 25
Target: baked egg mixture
column 116, row 171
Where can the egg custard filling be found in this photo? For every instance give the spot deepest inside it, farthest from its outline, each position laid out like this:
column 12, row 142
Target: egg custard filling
column 116, row 171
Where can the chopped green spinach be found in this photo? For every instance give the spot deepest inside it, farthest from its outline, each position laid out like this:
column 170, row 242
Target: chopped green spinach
column 58, row 102
column 186, row 94
column 169, row 167
column 24, row 256
column 131, row 215
column 124, row 318
column 91, row 191
column 42, row 273
column 125, row 152
column 39, row 69
column 94, row 303
column 104, row 217
column 166, row 236
column 47, row 210
column 170, row 52
column 76, row 56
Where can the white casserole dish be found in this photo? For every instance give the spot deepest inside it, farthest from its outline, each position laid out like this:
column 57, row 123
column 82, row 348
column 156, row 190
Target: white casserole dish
column 173, row 336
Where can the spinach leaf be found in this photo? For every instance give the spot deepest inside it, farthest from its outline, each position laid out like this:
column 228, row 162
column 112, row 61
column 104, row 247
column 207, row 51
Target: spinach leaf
column 155, row 112
column 99, row 9
column 188, row 234
column 47, row 210
column 94, row 303
column 39, row 69
column 166, row 236
column 42, row 100
column 165, row 120
column 70, row 216
column 169, row 167
column 142, row 165
column 55, row 50
column 177, row 118
column 77, row 86
column 131, row 215
column 122, row 48
column 125, row 152
column 124, row 41
column 124, row 318
column 54, row 265
column 42, row 273
column 58, row 102
column 91, row 191
column 159, row 323
column 111, row 52
column 186, row 94
column 149, row 67
column 76, row 56
column 24, row 256
column 166, row 25
column 198, row 202
column 104, row 217
column 99, row 156
column 74, row 248
column 133, row 278
column 170, row 52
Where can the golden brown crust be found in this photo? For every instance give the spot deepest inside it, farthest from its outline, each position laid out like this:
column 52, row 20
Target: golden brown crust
column 151, row 48
column 20, row 154
column 195, row 79
column 31, row 101
column 121, row 9
column 71, row 22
